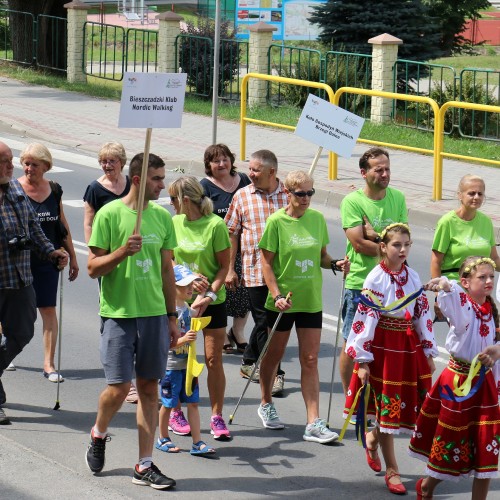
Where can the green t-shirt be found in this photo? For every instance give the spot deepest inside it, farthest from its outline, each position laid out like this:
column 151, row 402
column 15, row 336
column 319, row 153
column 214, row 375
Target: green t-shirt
column 297, row 245
column 197, row 243
column 134, row 289
column 457, row 239
column 380, row 213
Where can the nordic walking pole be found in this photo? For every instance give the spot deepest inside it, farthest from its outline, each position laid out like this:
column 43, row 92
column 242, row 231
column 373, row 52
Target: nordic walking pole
column 339, row 320
column 257, row 363
column 57, row 405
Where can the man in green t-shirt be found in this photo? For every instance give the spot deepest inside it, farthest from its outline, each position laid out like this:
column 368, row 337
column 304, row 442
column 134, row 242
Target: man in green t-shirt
column 365, row 213
column 137, row 307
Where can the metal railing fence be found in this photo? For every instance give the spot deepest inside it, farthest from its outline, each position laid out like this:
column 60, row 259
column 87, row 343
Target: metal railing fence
column 336, row 69
column 21, row 34
column 439, row 113
column 479, row 86
column 104, row 54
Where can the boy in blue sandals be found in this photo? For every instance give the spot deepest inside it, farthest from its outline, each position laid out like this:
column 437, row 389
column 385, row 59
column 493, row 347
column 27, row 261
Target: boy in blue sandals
column 172, row 385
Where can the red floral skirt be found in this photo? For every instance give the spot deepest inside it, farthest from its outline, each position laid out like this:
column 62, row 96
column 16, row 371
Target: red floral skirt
column 399, row 376
column 459, row 439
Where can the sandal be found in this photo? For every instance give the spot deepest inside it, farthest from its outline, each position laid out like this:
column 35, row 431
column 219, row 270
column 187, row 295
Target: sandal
column 240, row 346
column 166, row 445
column 228, row 349
column 201, row 448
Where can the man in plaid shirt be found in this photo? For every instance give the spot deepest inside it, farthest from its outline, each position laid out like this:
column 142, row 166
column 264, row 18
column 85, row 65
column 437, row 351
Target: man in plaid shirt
column 246, row 220
column 19, row 233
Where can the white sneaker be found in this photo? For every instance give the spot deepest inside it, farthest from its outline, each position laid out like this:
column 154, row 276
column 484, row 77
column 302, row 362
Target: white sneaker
column 11, row 368
column 318, row 432
column 269, row 416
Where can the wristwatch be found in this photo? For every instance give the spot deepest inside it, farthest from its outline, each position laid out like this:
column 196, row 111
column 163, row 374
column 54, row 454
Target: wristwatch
column 211, row 295
column 378, row 239
column 173, row 314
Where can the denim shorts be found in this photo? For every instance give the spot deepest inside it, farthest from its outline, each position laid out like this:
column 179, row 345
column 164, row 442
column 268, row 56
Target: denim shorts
column 349, row 310
column 125, row 340
column 173, row 389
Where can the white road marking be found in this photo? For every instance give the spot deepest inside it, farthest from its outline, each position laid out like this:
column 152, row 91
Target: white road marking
column 54, row 170
column 73, row 203
column 58, row 154
column 79, row 203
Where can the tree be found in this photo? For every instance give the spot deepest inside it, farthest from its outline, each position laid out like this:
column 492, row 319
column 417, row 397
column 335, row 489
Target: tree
column 453, row 16
column 348, row 24
column 51, row 49
column 429, row 28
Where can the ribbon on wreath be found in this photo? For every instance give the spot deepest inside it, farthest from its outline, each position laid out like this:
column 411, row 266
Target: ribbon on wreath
column 363, row 395
column 466, row 390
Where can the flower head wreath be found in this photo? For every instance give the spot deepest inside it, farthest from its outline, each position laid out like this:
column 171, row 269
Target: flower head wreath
column 482, row 260
column 392, row 226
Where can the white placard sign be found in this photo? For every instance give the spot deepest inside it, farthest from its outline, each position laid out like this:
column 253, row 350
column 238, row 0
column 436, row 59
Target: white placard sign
column 329, row 126
column 152, row 100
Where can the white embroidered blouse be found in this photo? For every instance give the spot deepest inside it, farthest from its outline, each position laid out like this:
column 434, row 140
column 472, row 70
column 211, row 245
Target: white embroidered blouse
column 388, row 287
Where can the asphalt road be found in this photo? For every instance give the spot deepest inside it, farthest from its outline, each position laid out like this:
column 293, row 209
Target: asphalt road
column 42, row 452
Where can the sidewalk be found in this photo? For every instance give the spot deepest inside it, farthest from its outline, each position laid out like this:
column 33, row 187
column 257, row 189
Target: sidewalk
column 85, row 123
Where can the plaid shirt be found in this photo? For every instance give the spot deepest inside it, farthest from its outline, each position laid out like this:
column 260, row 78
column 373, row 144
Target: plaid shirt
column 246, row 218
column 15, row 270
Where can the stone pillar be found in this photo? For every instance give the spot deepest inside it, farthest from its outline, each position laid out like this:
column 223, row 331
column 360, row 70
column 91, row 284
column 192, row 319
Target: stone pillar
column 384, row 56
column 261, row 38
column 77, row 16
column 169, row 28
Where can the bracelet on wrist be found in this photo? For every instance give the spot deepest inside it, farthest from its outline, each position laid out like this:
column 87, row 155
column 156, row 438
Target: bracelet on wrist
column 211, row 295
column 172, row 314
column 377, row 239
column 278, row 297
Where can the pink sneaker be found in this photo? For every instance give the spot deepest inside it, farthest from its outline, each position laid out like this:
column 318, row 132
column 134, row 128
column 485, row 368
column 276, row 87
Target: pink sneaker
column 218, row 428
column 178, row 424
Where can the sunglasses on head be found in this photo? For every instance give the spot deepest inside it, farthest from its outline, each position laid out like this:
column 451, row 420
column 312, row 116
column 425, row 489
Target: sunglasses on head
column 303, row 194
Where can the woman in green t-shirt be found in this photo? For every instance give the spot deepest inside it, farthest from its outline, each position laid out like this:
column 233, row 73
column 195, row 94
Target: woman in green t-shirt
column 463, row 232
column 293, row 252
column 203, row 246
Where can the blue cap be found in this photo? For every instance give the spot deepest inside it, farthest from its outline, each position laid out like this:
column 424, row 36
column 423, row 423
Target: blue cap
column 183, row 275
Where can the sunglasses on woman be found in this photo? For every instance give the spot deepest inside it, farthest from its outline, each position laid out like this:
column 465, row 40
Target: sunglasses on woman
column 303, row 194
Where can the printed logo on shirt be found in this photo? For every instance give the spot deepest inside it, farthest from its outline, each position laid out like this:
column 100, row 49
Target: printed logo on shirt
column 304, row 265
column 191, row 245
column 46, row 217
column 478, row 241
column 144, row 264
column 300, row 241
column 378, row 224
column 150, row 238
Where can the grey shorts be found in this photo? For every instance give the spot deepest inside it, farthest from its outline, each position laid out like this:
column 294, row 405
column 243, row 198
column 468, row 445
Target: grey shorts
column 145, row 340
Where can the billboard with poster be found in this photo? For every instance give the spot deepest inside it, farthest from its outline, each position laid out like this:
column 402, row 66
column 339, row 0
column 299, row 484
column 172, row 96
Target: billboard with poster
column 290, row 17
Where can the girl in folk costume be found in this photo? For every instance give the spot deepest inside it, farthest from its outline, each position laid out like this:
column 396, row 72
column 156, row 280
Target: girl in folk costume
column 457, row 431
column 393, row 345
